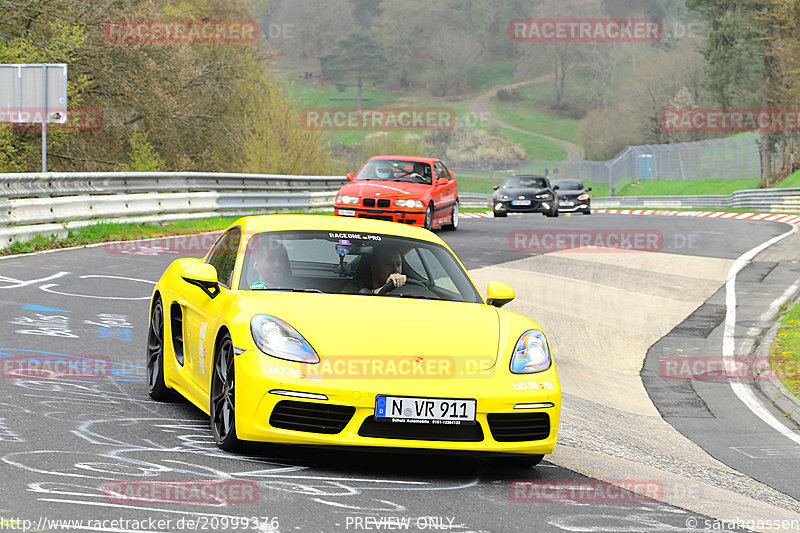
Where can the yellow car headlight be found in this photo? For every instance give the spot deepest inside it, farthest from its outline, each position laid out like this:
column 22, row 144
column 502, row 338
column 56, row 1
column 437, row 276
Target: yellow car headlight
column 278, row 339
column 531, row 354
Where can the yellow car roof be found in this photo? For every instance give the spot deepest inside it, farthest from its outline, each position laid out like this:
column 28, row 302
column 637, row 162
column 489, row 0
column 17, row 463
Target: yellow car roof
column 258, row 223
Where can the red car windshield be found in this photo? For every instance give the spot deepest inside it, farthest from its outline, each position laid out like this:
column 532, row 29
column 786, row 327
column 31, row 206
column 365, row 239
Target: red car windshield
column 395, row 170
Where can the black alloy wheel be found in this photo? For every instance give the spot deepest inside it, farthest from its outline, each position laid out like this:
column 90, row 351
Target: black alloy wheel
column 223, row 396
column 155, row 356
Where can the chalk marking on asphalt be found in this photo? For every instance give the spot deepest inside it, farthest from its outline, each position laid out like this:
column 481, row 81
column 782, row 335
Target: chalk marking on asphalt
column 47, row 288
column 16, row 284
column 742, row 390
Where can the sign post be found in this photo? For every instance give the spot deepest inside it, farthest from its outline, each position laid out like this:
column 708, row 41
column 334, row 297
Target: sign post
column 34, row 93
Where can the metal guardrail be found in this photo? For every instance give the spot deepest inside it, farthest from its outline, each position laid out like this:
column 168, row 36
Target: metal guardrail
column 52, row 204
column 25, row 185
column 767, row 200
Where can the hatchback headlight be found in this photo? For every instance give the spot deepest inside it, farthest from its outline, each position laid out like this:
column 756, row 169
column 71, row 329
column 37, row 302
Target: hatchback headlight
column 278, row 339
column 501, row 197
column 545, row 196
column 531, row 354
column 347, row 199
column 408, row 203
column 584, row 196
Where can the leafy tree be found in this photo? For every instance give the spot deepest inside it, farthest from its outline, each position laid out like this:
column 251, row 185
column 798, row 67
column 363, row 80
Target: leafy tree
column 143, row 157
column 743, row 65
column 204, row 106
column 357, row 58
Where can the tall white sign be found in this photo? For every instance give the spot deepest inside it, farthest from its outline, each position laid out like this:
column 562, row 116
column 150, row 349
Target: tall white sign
column 34, row 93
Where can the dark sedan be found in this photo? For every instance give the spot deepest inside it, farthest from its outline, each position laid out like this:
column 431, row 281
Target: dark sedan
column 525, row 194
column 573, row 196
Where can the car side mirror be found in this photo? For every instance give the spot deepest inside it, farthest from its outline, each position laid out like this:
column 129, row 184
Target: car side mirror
column 350, row 176
column 202, row 275
column 588, row 189
column 495, row 187
column 442, row 181
column 499, row 294
column 556, row 187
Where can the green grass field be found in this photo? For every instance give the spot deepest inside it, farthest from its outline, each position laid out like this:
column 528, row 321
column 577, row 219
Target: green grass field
column 792, row 180
column 667, row 188
column 522, row 115
column 310, row 95
column 784, row 353
column 492, row 74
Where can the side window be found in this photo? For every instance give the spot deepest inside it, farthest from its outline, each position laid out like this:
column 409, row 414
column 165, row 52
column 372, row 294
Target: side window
column 445, row 172
column 440, row 276
column 437, row 168
column 223, row 256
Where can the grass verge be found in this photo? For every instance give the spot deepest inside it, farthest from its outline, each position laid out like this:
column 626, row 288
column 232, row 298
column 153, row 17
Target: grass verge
column 784, row 353
column 680, row 187
column 109, row 231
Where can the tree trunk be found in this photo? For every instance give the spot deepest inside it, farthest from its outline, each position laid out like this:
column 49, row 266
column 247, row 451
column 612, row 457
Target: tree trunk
column 767, row 103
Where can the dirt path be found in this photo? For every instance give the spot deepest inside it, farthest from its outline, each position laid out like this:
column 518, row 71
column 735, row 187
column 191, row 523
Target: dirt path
column 479, row 106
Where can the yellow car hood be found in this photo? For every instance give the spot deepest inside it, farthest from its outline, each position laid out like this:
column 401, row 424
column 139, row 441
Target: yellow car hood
column 340, row 325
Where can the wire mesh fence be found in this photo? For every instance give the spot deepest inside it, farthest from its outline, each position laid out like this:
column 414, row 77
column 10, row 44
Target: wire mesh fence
column 729, row 158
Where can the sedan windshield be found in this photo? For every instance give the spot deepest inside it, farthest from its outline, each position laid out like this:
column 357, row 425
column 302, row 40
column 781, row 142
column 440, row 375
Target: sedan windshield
column 568, row 185
column 525, row 182
column 395, row 170
column 348, row 263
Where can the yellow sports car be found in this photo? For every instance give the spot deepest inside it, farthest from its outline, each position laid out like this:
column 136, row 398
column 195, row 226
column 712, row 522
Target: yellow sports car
column 335, row 331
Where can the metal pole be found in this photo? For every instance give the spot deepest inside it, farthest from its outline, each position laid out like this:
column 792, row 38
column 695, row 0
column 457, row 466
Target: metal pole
column 44, row 119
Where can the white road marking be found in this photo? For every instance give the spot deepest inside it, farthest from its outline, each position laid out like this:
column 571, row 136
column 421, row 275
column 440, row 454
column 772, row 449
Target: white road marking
column 47, row 288
column 742, row 390
column 16, row 284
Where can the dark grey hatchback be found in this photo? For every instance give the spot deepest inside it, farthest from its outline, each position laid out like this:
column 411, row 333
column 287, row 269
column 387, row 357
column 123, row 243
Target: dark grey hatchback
column 573, row 196
column 525, row 194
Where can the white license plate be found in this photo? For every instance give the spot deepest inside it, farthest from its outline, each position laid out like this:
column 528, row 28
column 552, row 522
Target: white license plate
column 425, row 410
column 347, row 213
column 520, row 202
column 566, row 203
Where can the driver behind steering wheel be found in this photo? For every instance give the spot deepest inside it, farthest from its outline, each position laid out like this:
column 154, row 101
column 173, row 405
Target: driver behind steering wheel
column 383, row 268
column 386, row 267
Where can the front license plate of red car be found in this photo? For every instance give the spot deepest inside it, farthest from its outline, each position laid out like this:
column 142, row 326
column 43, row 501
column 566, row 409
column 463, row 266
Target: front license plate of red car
column 425, row 410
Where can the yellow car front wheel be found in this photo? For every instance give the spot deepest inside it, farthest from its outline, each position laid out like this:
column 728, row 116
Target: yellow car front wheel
column 155, row 356
column 223, row 404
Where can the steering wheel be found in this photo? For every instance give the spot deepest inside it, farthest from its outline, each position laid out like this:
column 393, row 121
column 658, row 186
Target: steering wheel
column 389, row 287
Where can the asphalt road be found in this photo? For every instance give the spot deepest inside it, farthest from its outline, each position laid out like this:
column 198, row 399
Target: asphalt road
column 63, row 443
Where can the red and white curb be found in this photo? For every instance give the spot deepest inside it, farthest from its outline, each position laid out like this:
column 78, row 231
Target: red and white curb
column 771, row 217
